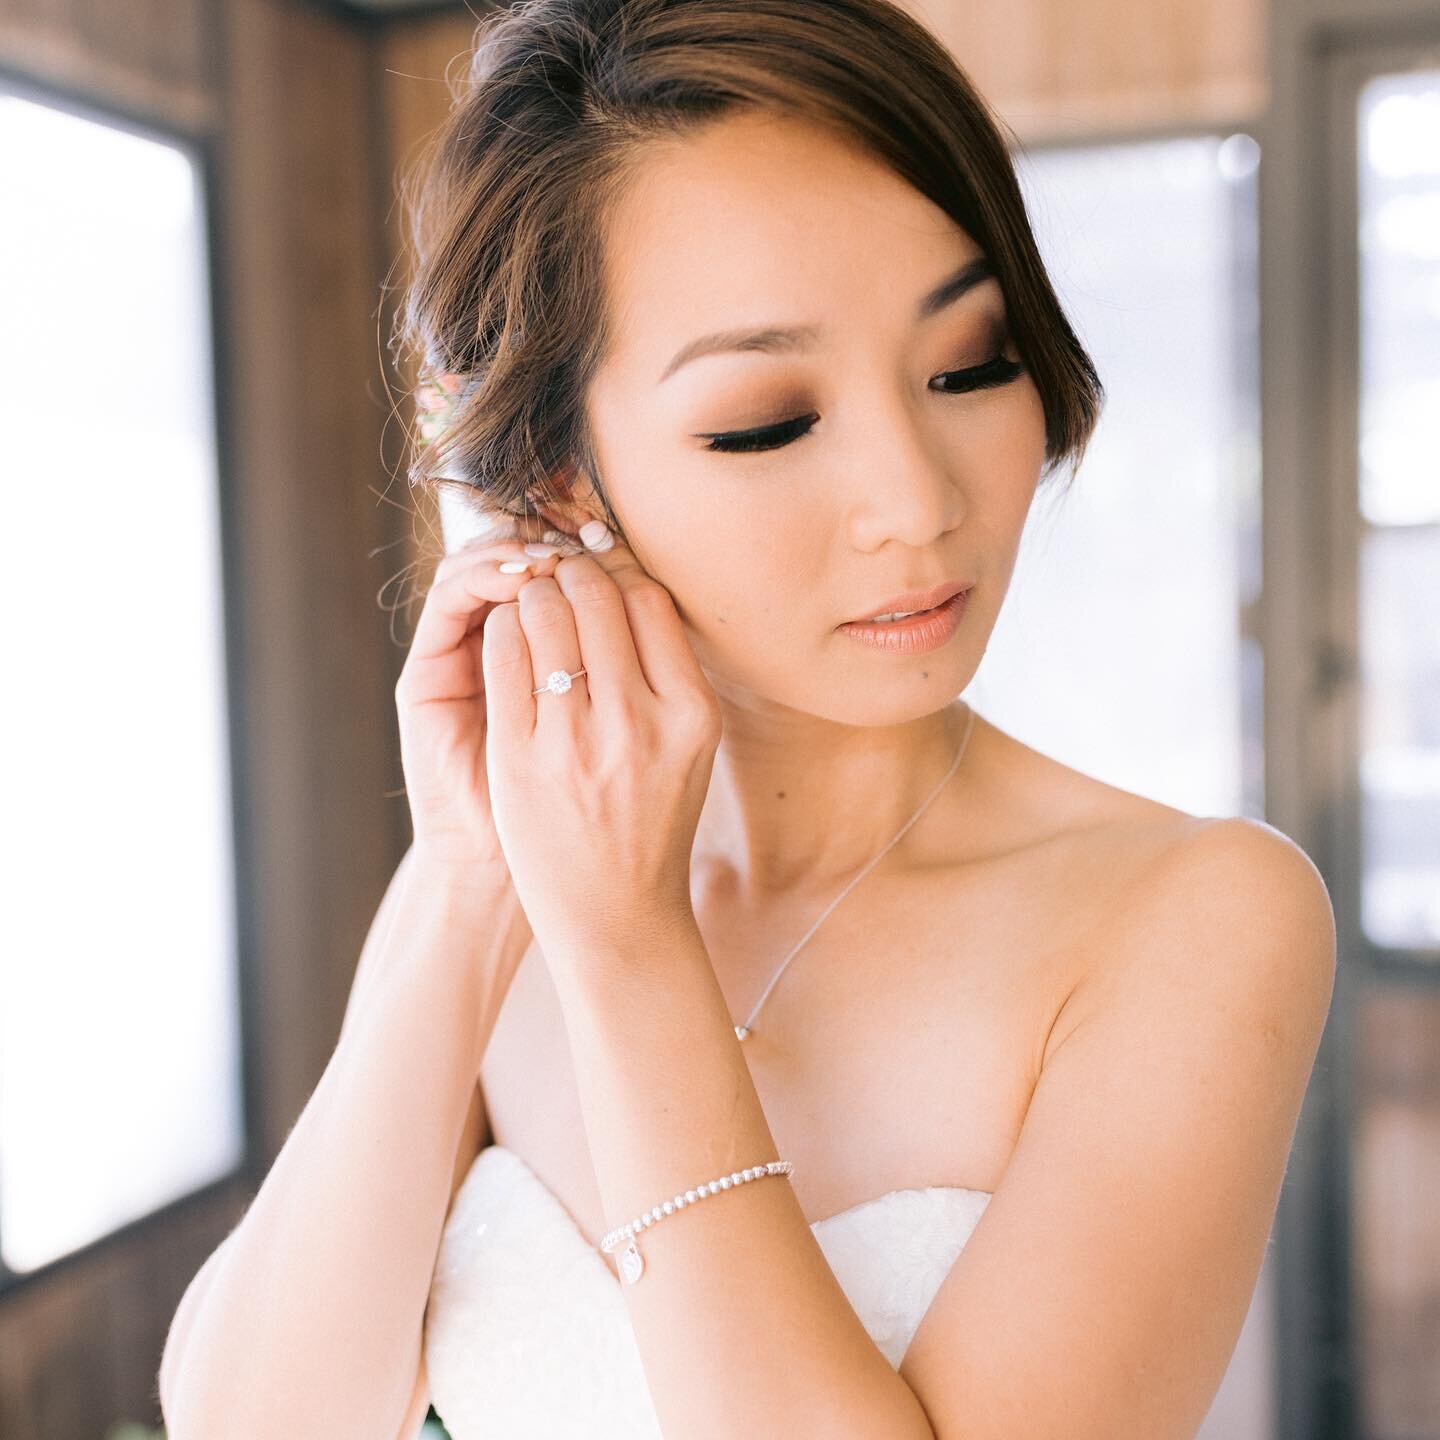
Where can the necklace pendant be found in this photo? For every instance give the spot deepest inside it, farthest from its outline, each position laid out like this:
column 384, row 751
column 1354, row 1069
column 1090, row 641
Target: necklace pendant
column 632, row 1263
column 741, row 1032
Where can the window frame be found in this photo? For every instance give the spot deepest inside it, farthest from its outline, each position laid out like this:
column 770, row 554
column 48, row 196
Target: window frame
column 1321, row 52
column 201, row 150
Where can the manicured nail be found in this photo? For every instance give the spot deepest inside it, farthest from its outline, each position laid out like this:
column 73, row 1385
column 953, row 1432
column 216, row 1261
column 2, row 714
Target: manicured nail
column 513, row 567
column 596, row 536
column 541, row 551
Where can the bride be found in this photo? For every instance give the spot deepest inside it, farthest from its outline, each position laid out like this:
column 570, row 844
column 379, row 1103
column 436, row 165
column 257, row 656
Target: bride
column 755, row 1040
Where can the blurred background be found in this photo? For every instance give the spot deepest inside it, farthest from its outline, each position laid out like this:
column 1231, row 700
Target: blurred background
column 1236, row 609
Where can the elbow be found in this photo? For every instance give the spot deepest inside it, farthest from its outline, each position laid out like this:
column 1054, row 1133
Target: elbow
column 183, row 1413
column 168, row 1384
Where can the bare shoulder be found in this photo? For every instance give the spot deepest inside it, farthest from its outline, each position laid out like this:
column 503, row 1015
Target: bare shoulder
column 1047, row 803
column 1127, row 1233
column 1155, row 891
column 1229, row 880
column 1223, row 861
column 1246, row 866
column 1225, row 910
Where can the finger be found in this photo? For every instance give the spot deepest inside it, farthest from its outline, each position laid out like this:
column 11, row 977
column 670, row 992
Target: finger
column 602, row 626
column 467, row 583
column 663, row 650
column 531, row 532
column 505, row 658
column 549, row 624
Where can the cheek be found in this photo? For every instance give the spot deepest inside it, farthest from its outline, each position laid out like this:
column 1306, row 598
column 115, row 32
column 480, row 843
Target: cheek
column 1029, row 437
column 694, row 546
column 1004, row 456
column 1014, row 436
column 732, row 564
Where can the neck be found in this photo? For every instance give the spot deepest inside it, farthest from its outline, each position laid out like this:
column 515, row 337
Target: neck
column 798, row 803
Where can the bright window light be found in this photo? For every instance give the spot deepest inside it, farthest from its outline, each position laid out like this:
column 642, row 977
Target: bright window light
column 119, row 1042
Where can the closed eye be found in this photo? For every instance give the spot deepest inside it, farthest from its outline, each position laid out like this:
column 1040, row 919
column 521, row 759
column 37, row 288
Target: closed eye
column 999, row 370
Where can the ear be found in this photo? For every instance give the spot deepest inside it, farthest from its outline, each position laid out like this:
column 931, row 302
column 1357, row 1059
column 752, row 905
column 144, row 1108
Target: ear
column 580, row 502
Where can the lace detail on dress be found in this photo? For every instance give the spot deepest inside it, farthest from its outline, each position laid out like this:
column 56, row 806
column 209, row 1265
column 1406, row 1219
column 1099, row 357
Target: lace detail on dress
column 527, row 1331
column 891, row 1255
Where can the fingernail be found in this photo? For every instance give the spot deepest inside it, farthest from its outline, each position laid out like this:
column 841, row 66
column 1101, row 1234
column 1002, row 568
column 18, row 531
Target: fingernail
column 513, row 567
column 596, row 536
column 553, row 536
column 541, row 551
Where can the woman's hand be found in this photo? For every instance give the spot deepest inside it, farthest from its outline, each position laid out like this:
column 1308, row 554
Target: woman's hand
column 596, row 792
column 440, row 696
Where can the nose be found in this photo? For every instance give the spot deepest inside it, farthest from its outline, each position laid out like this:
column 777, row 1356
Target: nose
column 904, row 481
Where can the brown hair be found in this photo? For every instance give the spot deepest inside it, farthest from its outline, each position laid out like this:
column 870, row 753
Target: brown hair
column 563, row 96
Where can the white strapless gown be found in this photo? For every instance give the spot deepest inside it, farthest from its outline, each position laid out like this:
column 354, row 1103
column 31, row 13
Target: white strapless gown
column 527, row 1333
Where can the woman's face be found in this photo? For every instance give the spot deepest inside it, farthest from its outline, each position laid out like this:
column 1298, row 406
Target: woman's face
column 876, row 480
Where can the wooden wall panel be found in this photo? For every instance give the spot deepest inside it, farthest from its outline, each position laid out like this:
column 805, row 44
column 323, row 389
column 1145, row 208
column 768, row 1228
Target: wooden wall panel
column 314, row 532
column 80, row 1348
column 284, row 95
column 1054, row 69
column 417, row 57
column 414, row 98
column 1057, row 70
column 1396, row 1176
column 152, row 59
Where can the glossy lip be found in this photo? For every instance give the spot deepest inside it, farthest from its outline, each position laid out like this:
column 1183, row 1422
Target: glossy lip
column 919, row 634
column 914, row 600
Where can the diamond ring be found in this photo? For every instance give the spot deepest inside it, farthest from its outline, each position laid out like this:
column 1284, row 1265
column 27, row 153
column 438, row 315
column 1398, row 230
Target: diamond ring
column 558, row 682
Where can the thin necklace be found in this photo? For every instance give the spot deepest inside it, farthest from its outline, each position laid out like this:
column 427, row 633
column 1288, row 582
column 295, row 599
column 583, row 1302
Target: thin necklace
column 741, row 1031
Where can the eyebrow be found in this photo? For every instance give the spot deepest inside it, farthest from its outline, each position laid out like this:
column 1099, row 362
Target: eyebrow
column 776, row 340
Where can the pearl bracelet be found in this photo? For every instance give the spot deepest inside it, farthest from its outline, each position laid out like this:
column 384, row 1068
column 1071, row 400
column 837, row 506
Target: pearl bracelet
column 632, row 1263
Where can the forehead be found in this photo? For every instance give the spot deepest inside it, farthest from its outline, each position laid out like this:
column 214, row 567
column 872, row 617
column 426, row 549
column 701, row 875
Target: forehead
column 767, row 219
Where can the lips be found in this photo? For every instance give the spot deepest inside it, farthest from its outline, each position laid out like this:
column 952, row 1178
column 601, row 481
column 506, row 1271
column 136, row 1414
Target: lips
column 915, row 599
column 917, row 634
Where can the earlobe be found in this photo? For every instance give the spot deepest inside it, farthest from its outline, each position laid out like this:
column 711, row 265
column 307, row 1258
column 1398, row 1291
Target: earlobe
column 580, row 504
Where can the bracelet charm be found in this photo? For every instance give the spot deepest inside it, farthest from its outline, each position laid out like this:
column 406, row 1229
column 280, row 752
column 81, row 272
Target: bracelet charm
column 632, row 1263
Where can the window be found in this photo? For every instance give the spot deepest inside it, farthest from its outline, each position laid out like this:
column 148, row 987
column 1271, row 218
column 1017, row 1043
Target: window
column 1391, row 159
column 119, row 1036
column 1126, row 646
column 1399, row 498
column 1122, row 648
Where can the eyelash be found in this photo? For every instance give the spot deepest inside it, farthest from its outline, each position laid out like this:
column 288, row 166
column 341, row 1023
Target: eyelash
column 999, row 370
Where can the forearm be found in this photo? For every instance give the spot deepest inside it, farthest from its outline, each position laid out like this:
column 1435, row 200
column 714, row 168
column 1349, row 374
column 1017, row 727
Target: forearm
column 741, row 1324
column 312, row 1321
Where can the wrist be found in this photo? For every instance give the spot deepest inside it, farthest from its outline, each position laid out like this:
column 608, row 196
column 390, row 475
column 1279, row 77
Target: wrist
column 476, row 909
column 446, row 877
column 648, row 947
